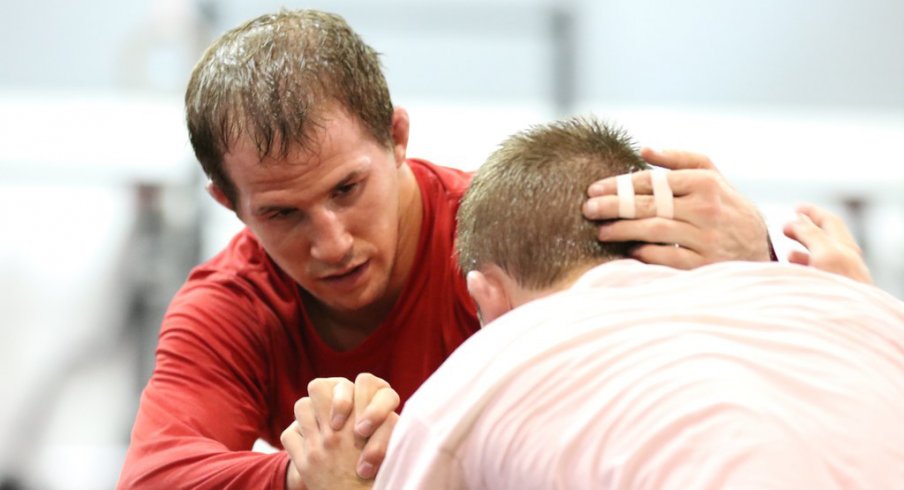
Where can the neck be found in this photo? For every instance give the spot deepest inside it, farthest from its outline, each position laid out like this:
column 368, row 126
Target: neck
column 520, row 295
column 344, row 330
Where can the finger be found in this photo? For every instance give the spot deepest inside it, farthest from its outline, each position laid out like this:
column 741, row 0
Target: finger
column 805, row 232
column 374, row 401
column 653, row 231
column 605, row 208
column 292, row 441
column 341, row 408
column 307, row 426
column 375, row 450
column 669, row 255
column 381, row 406
column 833, row 225
column 321, row 392
column 676, row 160
column 682, row 183
column 815, row 213
column 799, row 257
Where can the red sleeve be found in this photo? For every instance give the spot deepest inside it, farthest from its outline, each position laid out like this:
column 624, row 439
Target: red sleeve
column 206, row 402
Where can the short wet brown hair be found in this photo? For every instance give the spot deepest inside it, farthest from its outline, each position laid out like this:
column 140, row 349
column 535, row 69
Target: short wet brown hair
column 522, row 211
column 269, row 79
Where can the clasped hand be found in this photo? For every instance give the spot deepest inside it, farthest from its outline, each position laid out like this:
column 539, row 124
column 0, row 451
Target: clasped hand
column 328, row 448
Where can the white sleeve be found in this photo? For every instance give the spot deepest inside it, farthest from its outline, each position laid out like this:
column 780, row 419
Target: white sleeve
column 416, row 459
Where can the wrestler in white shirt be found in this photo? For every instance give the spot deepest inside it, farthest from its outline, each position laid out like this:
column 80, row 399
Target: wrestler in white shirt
column 733, row 375
column 598, row 371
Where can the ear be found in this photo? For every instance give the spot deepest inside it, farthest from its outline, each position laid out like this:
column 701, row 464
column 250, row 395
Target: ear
column 400, row 125
column 490, row 293
column 219, row 196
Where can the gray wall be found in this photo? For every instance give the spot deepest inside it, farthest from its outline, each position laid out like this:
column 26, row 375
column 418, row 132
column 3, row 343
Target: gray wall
column 831, row 53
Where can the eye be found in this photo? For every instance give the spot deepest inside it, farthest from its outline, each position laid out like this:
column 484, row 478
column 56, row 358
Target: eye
column 281, row 214
column 345, row 189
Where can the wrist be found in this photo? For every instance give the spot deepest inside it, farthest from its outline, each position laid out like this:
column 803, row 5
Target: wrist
column 293, row 477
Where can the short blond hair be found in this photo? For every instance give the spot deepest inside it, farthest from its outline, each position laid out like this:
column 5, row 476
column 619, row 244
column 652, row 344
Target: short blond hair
column 522, row 211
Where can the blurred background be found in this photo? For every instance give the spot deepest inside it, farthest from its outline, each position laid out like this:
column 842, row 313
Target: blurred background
column 102, row 205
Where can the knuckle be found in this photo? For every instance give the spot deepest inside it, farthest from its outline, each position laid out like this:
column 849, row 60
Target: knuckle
column 372, row 380
column 331, row 440
column 710, row 207
column 375, row 452
column 713, row 237
column 395, row 399
column 284, row 437
column 342, row 404
column 709, row 182
column 342, row 386
column 313, row 458
column 302, row 405
column 365, row 378
column 316, row 384
column 659, row 227
column 392, row 420
column 646, row 206
column 833, row 258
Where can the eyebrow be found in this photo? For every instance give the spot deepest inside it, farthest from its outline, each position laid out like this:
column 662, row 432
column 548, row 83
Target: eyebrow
column 266, row 210
column 352, row 176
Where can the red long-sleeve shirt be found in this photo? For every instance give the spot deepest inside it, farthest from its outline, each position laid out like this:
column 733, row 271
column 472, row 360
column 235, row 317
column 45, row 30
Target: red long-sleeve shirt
column 237, row 350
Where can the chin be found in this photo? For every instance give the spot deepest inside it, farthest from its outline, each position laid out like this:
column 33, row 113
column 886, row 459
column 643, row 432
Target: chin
column 359, row 301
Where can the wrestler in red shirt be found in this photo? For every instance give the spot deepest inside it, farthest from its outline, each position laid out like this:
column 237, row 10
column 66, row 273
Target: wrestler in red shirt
column 237, row 349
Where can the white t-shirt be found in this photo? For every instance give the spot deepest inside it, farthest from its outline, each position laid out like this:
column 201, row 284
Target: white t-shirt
column 731, row 376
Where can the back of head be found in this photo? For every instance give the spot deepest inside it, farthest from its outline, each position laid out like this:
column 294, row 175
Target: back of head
column 270, row 79
column 522, row 211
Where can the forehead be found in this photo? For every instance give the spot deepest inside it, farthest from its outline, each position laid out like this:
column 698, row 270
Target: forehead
column 337, row 147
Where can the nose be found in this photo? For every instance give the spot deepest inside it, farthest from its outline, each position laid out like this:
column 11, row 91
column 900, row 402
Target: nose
column 330, row 242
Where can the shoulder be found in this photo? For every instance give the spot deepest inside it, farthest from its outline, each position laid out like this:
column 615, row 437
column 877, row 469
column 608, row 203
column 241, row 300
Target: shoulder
column 437, row 179
column 441, row 191
column 437, row 268
column 243, row 263
column 238, row 288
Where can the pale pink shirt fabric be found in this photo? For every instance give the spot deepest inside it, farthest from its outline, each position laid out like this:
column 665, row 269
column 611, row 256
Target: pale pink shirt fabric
column 731, row 376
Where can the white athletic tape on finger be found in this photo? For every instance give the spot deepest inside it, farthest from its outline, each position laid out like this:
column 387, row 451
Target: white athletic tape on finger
column 662, row 194
column 625, row 189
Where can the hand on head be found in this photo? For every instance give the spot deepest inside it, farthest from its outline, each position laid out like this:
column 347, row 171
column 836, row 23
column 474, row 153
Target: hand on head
column 830, row 246
column 326, row 447
column 710, row 222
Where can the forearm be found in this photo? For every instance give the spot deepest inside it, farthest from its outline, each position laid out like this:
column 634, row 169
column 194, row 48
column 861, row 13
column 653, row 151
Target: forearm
column 200, row 465
column 190, row 433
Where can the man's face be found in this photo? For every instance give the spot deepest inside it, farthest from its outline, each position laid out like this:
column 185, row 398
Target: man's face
column 328, row 216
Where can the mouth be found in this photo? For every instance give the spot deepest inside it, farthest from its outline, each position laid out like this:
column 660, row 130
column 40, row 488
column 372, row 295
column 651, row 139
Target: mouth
column 348, row 278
